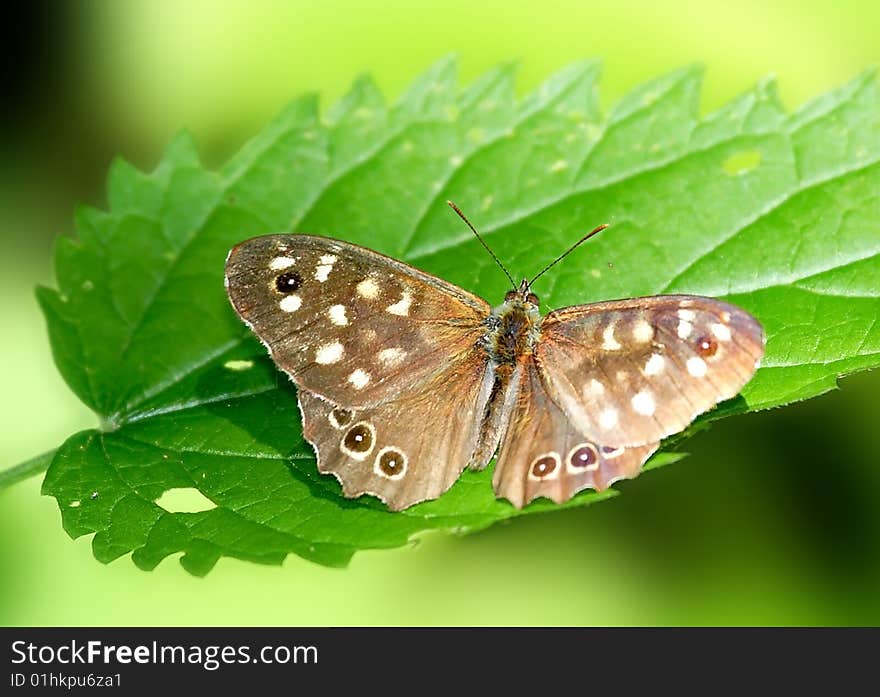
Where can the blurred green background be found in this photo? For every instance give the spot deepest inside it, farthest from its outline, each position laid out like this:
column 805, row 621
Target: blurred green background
column 773, row 519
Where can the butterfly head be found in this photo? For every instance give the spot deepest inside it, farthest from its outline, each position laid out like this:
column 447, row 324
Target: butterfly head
column 513, row 326
column 523, row 294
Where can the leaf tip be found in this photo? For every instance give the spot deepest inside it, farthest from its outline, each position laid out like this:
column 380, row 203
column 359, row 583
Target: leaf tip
column 182, row 151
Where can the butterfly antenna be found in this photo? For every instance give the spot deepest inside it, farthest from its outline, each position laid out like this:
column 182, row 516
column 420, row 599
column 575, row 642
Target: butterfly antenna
column 482, row 242
column 568, row 251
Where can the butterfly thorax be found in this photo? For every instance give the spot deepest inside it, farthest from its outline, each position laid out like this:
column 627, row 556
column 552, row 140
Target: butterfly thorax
column 513, row 327
column 512, row 332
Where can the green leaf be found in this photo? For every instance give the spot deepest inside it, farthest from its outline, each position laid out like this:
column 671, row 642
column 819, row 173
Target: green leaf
column 775, row 212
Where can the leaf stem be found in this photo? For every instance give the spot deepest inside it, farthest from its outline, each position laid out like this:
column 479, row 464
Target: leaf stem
column 25, row 470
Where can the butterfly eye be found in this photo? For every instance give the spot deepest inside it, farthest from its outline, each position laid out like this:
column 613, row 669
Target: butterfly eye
column 543, row 466
column 359, row 438
column 533, row 299
column 391, row 463
column 340, row 418
column 288, row 282
column 584, row 457
column 510, row 295
column 706, row 346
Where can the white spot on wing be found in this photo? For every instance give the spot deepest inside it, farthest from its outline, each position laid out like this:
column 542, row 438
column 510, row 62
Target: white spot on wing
column 721, row 332
column 608, row 418
column 290, row 303
column 684, row 328
column 391, row 356
column 329, row 353
column 359, row 378
column 322, row 271
column 655, row 364
column 643, row 332
column 687, row 315
column 401, row 307
column 643, row 403
column 337, row 315
column 609, row 343
column 696, row 366
column 595, row 387
column 279, row 263
column 368, row 288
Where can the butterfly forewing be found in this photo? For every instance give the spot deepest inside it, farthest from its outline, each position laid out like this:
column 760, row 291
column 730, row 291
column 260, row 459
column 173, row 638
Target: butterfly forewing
column 631, row 372
column 542, row 454
column 347, row 323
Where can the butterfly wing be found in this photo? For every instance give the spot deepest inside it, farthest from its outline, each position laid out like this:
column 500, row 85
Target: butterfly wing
column 608, row 381
column 346, row 323
column 631, row 372
column 407, row 449
column 371, row 343
column 543, row 454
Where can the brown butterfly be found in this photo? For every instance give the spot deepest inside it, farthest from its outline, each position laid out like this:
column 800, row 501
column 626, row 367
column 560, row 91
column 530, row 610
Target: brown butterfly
column 404, row 379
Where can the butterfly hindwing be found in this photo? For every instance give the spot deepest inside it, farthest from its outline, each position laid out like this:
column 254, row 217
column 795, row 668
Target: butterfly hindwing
column 347, row 323
column 408, row 449
column 631, row 372
column 542, row 454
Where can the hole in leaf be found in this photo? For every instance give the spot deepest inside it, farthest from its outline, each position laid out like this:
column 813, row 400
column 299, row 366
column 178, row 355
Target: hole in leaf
column 75, row 504
column 185, row 500
column 238, row 366
column 742, row 162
